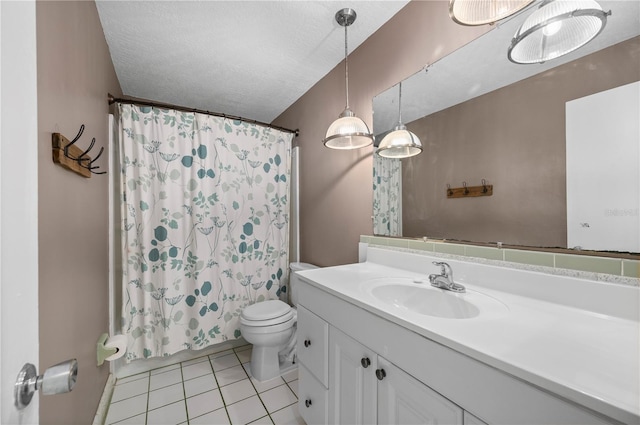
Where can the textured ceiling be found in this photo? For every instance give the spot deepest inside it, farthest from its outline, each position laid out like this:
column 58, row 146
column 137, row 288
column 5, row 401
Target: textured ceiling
column 247, row 58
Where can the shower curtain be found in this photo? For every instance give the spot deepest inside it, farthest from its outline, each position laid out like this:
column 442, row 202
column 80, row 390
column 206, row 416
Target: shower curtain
column 387, row 196
column 205, row 225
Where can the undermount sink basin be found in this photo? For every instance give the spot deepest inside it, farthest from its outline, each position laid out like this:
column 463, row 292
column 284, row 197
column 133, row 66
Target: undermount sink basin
column 422, row 298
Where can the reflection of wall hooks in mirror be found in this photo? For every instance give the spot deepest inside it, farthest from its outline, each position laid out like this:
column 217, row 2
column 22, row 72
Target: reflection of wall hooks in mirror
column 470, row 191
column 71, row 157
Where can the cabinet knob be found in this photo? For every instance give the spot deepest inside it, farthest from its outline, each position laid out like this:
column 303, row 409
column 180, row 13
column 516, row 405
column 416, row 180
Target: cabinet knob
column 365, row 362
column 307, row 402
column 307, row 342
column 380, row 374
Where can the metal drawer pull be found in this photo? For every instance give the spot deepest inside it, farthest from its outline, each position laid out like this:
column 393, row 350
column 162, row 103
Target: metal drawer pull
column 307, row 342
column 307, row 402
column 365, row 362
column 380, row 374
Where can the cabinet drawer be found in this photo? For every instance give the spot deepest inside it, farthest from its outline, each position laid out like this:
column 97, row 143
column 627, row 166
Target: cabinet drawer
column 312, row 398
column 313, row 337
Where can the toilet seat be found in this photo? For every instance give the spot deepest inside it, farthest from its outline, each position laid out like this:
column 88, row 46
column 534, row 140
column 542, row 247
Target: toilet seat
column 266, row 313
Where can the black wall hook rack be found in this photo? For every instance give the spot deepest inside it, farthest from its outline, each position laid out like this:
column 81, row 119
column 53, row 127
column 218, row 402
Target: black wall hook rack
column 71, row 157
column 470, row 191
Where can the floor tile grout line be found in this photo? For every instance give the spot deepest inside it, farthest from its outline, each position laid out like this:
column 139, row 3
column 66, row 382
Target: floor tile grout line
column 184, row 393
column 282, row 408
column 291, row 389
column 146, row 410
column 224, row 405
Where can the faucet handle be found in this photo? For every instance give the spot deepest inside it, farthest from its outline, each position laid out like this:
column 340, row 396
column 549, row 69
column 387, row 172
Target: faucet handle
column 445, row 269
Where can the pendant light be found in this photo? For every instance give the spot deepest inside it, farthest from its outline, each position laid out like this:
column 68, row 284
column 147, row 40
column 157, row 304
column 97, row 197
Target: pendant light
column 558, row 27
column 481, row 12
column 348, row 131
column 400, row 143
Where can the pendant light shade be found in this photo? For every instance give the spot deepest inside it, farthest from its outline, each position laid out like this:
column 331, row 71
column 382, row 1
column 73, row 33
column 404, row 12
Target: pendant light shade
column 481, row 12
column 348, row 131
column 400, row 143
column 558, row 27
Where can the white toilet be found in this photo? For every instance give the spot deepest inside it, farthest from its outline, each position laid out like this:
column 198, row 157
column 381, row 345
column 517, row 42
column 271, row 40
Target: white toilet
column 271, row 327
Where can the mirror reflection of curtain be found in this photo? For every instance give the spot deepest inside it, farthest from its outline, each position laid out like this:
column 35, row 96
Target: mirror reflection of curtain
column 387, row 196
column 205, row 226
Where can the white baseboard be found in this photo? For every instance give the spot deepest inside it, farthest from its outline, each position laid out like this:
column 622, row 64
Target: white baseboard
column 105, row 400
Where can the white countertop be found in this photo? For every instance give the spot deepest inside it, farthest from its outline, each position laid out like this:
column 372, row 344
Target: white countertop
column 587, row 357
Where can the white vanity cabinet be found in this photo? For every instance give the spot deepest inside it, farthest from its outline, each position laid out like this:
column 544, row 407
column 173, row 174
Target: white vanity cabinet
column 358, row 367
column 341, row 381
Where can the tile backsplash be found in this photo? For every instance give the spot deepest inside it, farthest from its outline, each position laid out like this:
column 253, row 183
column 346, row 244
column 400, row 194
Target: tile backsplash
column 582, row 263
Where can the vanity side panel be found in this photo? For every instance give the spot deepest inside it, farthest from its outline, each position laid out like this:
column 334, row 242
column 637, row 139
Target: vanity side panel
column 494, row 396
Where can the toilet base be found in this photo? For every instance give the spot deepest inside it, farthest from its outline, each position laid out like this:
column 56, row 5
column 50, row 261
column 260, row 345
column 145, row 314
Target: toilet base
column 265, row 364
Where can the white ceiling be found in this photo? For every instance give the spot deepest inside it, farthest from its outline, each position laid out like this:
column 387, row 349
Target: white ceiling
column 246, row 58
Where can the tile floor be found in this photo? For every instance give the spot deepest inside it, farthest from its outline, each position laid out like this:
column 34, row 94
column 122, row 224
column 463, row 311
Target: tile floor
column 209, row 390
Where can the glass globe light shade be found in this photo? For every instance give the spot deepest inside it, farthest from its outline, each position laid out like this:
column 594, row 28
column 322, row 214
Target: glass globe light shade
column 481, row 12
column 400, row 143
column 348, row 132
column 558, row 27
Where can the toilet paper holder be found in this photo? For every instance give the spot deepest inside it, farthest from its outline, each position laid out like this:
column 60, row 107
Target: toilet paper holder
column 57, row 379
column 102, row 351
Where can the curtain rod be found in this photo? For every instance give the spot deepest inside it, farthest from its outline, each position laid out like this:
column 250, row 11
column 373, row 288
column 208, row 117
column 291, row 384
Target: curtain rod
column 151, row 103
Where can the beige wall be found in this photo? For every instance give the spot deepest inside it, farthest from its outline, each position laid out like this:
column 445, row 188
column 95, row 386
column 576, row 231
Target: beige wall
column 514, row 138
column 75, row 73
column 336, row 186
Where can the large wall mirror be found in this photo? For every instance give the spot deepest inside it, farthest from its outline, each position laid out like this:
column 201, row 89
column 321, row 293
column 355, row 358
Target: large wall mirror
column 479, row 116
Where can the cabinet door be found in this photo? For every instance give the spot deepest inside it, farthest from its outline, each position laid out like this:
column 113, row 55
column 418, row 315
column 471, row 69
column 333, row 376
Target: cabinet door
column 402, row 399
column 352, row 382
column 312, row 340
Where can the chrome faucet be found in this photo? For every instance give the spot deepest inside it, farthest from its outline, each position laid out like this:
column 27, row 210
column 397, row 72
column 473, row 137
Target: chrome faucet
column 444, row 280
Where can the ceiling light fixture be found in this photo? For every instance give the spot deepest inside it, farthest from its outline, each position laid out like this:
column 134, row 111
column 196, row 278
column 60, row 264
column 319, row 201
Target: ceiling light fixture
column 400, row 143
column 558, row 27
column 481, row 12
column 348, row 131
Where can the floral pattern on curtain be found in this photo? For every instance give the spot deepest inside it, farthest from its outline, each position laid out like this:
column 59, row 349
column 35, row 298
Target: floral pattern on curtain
column 205, row 226
column 387, row 196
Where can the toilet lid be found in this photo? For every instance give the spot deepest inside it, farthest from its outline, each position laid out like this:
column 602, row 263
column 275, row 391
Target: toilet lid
column 267, row 310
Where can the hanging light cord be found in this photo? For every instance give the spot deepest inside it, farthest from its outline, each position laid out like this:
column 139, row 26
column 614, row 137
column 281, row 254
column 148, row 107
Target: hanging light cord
column 346, row 66
column 400, row 104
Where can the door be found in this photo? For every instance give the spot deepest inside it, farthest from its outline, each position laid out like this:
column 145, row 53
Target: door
column 603, row 170
column 352, row 382
column 402, row 399
column 18, row 204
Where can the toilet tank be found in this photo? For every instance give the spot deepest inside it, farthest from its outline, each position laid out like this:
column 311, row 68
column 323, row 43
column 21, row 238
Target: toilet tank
column 293, row 279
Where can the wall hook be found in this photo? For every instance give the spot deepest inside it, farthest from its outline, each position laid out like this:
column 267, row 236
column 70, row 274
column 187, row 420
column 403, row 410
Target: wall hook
column 71, row 157
column 469, row 191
